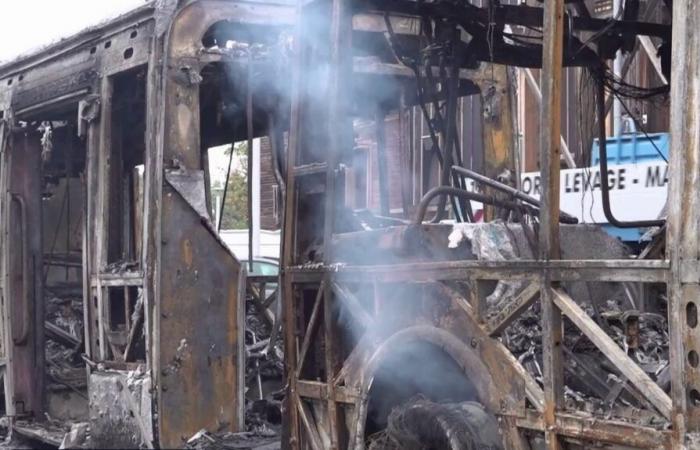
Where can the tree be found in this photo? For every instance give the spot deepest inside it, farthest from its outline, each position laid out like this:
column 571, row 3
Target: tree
column 235, row 208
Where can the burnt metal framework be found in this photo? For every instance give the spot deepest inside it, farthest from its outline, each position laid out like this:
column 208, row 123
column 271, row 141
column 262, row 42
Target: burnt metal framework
column 157, row 263
column 330, row 375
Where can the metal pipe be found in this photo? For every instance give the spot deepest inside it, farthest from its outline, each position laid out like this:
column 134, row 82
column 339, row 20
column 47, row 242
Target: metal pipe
column 456, row 192
column 604, row 182
column 249, row 126
column 564, row 217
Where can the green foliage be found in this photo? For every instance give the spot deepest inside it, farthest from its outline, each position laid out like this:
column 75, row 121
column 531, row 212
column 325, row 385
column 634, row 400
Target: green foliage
column 235, row 216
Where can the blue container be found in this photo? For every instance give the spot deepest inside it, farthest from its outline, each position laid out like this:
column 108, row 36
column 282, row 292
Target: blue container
column 632, row 148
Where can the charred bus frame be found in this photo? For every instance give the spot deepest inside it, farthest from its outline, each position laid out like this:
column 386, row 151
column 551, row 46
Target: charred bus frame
column 331, row 371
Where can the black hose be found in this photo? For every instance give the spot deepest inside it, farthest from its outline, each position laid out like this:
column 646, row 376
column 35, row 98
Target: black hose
column 461, row 193
column 604, row 182
column 563, row 217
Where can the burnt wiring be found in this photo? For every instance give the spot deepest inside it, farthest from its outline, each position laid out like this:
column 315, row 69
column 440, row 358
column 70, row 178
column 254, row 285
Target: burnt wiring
column 438, row 52
column 604, row 182
column 619, row 87
column 441, row 116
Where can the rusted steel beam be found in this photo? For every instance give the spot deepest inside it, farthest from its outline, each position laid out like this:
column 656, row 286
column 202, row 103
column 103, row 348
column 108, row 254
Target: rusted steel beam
column 291, row 425
column 332, row 352
column 614, row 353
column 307, row 419
column 477, row 299
column 604, row 431
column 532, row 389
column 318, row 390
column 549, row 246
column 340, row 143
column 650, row 271
column 682, row 239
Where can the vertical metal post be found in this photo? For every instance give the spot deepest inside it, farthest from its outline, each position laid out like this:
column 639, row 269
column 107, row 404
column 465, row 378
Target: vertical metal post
column 550, row 151
column 255, row 198
column 684, row 212
column 249, row 175
column 339, row 129
column 291, row 418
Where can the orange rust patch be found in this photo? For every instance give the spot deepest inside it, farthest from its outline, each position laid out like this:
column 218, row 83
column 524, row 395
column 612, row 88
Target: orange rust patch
column 187, row 252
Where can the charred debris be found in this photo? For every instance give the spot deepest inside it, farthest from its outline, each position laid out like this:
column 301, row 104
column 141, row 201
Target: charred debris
column 424, row 300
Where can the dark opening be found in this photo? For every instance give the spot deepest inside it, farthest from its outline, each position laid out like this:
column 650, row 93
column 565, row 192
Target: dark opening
column 418, row 368
column 126, row 170
column 691, row 312
column 694, row 396
column 693, row 358
column 63, row 212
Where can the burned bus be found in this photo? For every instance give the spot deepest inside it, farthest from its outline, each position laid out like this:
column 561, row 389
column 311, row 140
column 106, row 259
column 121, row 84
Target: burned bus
column 418, row 311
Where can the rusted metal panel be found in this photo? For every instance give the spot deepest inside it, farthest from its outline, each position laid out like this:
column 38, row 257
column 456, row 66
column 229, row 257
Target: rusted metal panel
column 201, row 336
column 198, row 291
column 23, row 256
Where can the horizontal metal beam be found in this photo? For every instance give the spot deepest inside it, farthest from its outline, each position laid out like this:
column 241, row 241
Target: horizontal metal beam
column 654, row 271
column 594, row 428
column 319, row 391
